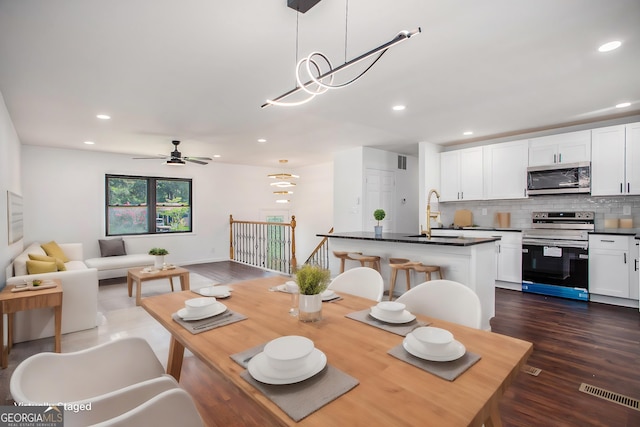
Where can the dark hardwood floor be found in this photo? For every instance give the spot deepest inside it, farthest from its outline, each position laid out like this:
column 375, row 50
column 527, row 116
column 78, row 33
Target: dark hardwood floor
column 574, row 343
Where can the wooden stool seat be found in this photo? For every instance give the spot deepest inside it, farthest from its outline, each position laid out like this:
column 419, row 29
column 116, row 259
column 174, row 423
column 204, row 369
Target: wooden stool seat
column 344, row 256
column 373, row 260
column 428, row 269
column 397, row 264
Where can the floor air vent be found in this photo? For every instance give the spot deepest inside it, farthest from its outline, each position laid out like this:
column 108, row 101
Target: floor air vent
column 610, row 396
column 531, row 370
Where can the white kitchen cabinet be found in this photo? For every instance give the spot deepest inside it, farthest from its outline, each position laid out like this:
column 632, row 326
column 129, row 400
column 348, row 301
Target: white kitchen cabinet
column 568, row 147
column 508, row 253
column 461, row 175
column 610, row 265
column 634, row 281
column 615, row 164
column 505, row 170
column 510, row 262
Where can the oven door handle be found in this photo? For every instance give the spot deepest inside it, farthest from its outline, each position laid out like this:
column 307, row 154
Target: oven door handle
column 557, row 243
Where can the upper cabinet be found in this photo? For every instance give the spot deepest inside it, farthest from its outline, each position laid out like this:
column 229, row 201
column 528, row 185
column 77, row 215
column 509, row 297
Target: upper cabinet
column 505, row 170
column 461, row 175
column 615, row 164
column 563, row 148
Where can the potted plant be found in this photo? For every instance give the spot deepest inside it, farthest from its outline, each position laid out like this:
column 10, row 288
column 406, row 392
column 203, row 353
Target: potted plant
column 379, row 215
column 159, row 254
column 312, row 280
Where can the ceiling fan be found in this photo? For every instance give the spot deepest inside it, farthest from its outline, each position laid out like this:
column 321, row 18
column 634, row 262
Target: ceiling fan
column 176, row 157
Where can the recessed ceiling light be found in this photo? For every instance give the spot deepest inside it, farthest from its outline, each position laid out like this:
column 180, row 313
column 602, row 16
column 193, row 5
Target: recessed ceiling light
column 262, row 140
column 610, row 46
column 399, row 107
column 217, row 156
column 103, row 117
column 89, row 142
column 468, row 133
column 623, row 104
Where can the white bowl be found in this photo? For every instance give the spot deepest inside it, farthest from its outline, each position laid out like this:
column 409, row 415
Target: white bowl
column 433, row 340
column 199, row 306
column 288, row 352
column 391, row 309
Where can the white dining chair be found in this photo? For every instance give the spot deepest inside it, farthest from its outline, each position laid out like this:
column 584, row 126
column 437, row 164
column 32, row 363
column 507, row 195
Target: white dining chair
column 118, row 402
column 168, row 409
column 360, row 281
column 446, row 300
column 85, row 374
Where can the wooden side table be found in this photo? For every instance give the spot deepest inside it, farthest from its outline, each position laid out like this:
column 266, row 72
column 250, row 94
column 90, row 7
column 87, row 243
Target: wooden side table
column 11, row 302
column 139, row 275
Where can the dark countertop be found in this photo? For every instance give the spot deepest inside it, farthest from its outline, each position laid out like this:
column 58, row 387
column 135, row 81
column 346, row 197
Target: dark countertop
column 407, row 238
column 480, row 228
column 618, row 231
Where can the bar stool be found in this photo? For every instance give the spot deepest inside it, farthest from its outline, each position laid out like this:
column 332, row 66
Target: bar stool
column 344, row 256
column 373, row 260
column 428, row 269
column 396, row 264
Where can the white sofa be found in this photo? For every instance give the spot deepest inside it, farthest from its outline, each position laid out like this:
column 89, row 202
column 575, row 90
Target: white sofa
column 116, row 266
column 79, row 295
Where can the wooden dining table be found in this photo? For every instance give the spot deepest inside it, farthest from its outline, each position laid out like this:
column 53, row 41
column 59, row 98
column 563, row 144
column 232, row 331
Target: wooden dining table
column 390, row 391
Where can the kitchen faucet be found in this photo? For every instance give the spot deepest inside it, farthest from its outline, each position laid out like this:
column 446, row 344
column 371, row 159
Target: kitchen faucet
column 434, row 214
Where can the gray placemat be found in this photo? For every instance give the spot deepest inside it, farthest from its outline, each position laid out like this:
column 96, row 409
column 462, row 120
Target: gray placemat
column 401, row 329
column 197, row 326
column 447, row 370
column 304, row 398
column 243, row 357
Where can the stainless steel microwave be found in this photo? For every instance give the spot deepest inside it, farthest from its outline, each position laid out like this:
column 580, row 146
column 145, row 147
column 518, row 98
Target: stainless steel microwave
column 567, row 178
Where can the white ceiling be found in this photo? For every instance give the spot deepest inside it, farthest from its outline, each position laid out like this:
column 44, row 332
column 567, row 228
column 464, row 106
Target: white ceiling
column 198, row 71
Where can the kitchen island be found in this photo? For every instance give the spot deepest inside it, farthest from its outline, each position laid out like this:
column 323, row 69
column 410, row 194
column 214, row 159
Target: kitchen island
column 470, row 261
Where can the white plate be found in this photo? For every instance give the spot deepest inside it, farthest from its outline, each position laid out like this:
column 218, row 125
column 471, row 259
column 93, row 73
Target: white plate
column 457, row 350
column 260, row 370
column 405, row 317
column 329, row 295
column 215, row 291
column 217, row 308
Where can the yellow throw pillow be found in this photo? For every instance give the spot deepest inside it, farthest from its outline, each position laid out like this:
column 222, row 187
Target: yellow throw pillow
column 59, row 264
column 52, row 249
column 37, row 267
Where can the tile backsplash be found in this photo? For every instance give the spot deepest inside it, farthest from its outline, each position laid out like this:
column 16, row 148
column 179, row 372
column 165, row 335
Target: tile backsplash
column 520, row 209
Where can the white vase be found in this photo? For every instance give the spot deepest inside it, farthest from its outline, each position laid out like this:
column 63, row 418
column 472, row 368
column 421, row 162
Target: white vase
column 378, row 230
column 310, row 308
column 159, row 262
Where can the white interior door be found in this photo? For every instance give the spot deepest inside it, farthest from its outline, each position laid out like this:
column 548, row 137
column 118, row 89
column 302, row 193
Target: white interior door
column 380, row 192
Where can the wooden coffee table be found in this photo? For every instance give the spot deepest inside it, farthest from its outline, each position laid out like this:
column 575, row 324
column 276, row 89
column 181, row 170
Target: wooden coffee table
column 11, row 302
column 139, row 275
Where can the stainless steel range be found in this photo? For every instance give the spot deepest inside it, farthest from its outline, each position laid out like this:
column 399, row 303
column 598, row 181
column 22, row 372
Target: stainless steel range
column 555, row 254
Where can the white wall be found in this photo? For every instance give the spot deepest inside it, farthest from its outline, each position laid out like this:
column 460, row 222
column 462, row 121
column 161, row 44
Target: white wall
column 406, row 188
column 348, row 177
column 349, row 188
column 9, row 181
column 313, row 207
column 64, row 201
column 429, row 178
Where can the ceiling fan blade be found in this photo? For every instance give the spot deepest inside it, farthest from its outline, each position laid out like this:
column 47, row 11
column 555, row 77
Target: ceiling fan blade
column 199, row 158
column 193, row 160
column 150, row 158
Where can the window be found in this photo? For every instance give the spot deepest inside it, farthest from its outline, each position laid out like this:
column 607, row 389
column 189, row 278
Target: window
column 147, row 205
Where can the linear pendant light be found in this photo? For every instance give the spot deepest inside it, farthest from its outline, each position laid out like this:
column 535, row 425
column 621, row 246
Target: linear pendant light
column 319, row 82
column 312, row 61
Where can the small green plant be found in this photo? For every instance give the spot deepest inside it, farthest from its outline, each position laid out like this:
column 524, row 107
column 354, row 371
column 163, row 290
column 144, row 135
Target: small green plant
column 379, row 215
column 312, row 280
column 158, row 251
